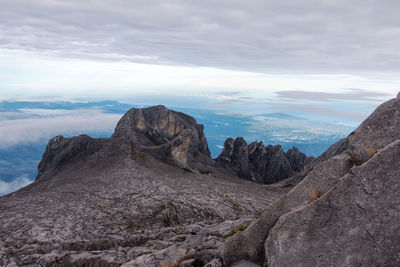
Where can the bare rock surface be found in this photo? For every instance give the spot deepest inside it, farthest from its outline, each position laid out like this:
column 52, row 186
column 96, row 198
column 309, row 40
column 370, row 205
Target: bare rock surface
column 354, row 224
column 259, row 163
column 323, row 199
column 167, row 135
column 148, row 196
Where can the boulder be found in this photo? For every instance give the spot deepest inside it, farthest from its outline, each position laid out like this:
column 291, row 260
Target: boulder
column 323, row 199
column 355, row 223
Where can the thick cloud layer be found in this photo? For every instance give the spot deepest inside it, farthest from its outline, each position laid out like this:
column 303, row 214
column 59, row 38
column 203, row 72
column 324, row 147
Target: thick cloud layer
column 351, row 95
column 8, row 187
column 299, row 35
column 34, row 129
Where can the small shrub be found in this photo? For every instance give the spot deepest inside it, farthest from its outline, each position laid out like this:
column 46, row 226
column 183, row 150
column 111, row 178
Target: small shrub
column 372, row 151
column 315, row 194
column 354, row 160
column 234, row 231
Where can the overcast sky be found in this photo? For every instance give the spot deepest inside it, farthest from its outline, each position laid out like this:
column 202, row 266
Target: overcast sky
column 274, row 52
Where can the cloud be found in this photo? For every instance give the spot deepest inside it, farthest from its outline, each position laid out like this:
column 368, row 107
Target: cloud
column 35, row 129
column 320, row 110
column 301, row 35
column 8, row 187
column 350, row 94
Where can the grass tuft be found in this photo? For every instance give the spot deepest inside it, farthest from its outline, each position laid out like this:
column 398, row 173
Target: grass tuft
column 234, row 231
column 372, row 151
column 315, row 194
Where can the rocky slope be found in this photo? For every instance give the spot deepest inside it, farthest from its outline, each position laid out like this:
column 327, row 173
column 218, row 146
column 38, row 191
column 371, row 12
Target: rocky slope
column 148, row 196
column 151, row 196
column 344, row 211
column 259, row 163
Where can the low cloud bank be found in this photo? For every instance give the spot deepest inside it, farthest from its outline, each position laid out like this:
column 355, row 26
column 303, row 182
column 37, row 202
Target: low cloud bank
column 8, row 187
column 34, row 129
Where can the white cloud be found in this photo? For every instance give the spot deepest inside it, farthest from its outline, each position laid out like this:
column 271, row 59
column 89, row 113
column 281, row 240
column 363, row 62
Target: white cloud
column 300, row 35
column 8, row 187
column 31, row 130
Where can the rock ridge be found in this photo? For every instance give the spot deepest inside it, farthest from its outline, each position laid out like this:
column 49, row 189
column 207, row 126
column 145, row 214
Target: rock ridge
column 259, row 163
column 167, row 135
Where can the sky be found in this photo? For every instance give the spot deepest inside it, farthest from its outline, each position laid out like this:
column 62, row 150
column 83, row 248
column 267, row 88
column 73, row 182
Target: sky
column 332, row 59
column 324, row 60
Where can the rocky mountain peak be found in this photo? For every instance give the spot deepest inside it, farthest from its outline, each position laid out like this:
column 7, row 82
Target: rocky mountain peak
column 167, row 135
column 60, row 151
column 158, row 125
column 296, row 159
column 256, row 162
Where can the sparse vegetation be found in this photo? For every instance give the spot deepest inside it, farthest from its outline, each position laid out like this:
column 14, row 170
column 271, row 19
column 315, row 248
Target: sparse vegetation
column 315, row 194
column 354, row 160
column 372, row 151
column 186, row 257
column 234, row 231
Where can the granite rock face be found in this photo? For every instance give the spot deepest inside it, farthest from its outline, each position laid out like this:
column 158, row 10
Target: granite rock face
column 343, row 210
column 158, row 125
column 60, row 151
column 296, row 159
column 259, row 163
column 167, row 135
column 235, row 156
column 357, row 219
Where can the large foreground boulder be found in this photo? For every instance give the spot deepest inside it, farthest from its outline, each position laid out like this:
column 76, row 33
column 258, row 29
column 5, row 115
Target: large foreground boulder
column 303, row 221
column 356, row 223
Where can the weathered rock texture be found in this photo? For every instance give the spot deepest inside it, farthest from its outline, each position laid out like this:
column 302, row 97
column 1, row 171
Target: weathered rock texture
column 151, row 196
column 148, row 196
column 344, row 212
column 259, row 163
column 356, row 223
column 166, row 134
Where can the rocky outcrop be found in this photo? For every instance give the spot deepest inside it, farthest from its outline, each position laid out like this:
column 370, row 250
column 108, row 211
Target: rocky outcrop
column 235, row 156
column 61, row 151
column 167, row 135
column 345, row 203
column 258, row 163
column 148, row 196
column 296, row 159
column 357, row 219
